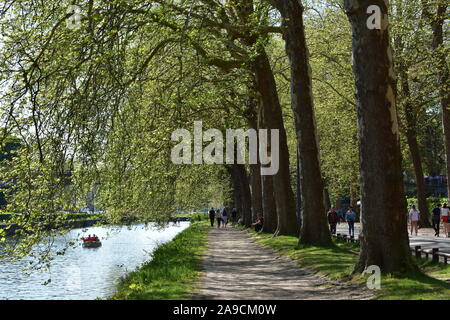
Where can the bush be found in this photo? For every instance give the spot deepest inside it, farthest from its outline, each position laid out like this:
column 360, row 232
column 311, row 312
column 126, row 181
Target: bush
column 431, row 202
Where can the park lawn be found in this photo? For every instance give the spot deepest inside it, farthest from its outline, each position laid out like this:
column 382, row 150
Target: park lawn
column 337, row 262
column 173, row 271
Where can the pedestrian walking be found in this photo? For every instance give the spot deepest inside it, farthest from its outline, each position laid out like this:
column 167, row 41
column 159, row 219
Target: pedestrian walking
column 212, row 216
column 340, row 215
column 225, row 217
column 350, row 216
column 218, row 218
column 333, row 219
column 445, row 216
column 234, row 215
column 436, row 219
column 414, row 217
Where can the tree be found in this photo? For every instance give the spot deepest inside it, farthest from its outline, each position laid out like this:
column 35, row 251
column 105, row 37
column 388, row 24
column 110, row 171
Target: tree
column 411, row 111
column 436, row 16
column 384, row 238
column 314, row 228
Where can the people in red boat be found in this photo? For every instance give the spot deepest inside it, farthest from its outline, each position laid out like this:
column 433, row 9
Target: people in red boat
column 91, row 238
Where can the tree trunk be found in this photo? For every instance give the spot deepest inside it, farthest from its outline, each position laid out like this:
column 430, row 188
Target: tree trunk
column 411, row 137
column 269, row 205
column 411, row 130
column 246, row 199
column 437, row 22
column 255, row 178
column 241, row 191
column 384, row 237
column 236, row 189
column 446, row 125
column 270, row 117
column 314, row 224
column 299, row 191
column 326, row 197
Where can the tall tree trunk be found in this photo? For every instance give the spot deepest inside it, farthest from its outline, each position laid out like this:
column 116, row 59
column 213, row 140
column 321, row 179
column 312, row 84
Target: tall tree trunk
column 446, row 125
column 384, row 237
column 270, row 117
column 411, row 137
column 246, row 205
column 314, row 225
column 255, row 179
column 299, row 191
column 326, row 198
column 436, row 20
column 411, row 129
column 269, row 205
column 236, row 189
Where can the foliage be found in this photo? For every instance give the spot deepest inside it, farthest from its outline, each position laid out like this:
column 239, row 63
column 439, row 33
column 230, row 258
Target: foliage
column 430, row 201
column 91, row 110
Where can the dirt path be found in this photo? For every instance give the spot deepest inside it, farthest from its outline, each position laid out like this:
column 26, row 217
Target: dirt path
column 235, row 267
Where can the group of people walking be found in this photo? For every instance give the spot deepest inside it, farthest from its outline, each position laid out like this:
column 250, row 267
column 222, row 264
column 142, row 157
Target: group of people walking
column 440, row 214
column 336, row 217
column 221, row 216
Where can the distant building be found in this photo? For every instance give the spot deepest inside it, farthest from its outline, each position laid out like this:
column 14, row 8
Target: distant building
column 436, row 187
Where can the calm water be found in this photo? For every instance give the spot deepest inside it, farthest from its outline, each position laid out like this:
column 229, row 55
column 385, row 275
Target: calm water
column 84, row 273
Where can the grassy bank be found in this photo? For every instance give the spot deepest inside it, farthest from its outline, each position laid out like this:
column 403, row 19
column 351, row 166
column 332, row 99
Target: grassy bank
column 337, row 263
column 173, row 270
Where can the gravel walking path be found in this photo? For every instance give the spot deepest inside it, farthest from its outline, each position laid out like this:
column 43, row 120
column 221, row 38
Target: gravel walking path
column 235, row 267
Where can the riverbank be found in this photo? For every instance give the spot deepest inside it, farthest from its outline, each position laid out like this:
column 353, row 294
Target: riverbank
column 10, row 229
column 173, row 271
column 81, row 220
column 337, row 262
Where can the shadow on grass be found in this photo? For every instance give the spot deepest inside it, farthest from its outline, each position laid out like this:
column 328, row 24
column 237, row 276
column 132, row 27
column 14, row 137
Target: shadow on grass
column 415, row 286
column 337, row 263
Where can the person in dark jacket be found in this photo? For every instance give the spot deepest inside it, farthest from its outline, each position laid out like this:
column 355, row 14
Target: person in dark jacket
column 332, row 219
column 212, row 216
column 234, row 215
column 436, row 219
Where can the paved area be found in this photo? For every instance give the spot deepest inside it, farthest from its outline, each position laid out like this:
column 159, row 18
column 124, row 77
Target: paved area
column 425, row 237
column 235, row 267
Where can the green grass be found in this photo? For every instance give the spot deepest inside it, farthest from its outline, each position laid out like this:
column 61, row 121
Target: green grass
column 173, row 271
column 338, row 260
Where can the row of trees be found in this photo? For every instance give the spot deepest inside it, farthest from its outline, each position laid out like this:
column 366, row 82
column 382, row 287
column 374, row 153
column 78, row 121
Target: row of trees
column 100, row 101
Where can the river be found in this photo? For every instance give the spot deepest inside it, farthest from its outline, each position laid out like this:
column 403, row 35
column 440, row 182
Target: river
column 86, row 273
